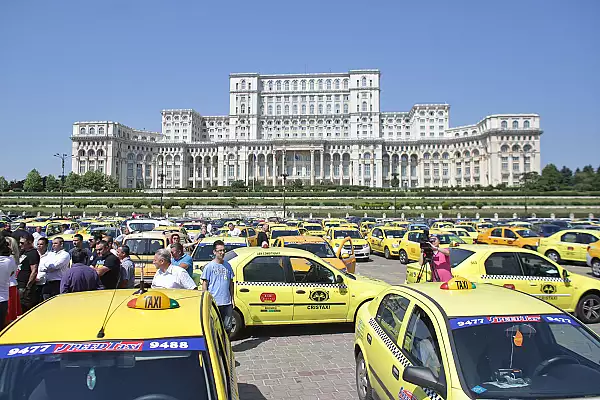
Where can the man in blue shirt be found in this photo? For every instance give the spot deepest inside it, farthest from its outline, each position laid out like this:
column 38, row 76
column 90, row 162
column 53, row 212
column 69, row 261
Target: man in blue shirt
column 181, row 259
column 217, row 278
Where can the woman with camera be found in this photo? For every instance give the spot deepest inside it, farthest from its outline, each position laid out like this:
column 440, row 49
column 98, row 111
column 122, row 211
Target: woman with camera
column 440, row 261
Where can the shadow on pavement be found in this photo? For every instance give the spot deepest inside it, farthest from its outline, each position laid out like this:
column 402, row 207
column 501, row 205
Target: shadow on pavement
column 249, row 392
column 249, row 344
column 299, row 330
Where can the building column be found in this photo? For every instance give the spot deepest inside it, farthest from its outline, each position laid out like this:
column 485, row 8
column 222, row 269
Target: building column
column 421, row 173
column 379, row 176
column 373, row 170
column 312, row 167
column 255, row 175
column 274, row 166
column 220, row 168
column 331, row 169
column 322, row 170
column 266, row 168
column 283, row 166
column 294, row 166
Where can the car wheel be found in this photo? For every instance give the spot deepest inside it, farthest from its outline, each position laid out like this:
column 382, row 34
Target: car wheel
column 237, row 325
column 365, row 391
column 553, row 255
column 596, row 267
column 386, row 253
column 403, row 257
column 588, row 309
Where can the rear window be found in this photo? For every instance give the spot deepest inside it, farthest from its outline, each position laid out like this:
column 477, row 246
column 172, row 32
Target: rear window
column 276, row 233
column 230, row 255
column 145, row 246
column 141, row 226
column 458, row 255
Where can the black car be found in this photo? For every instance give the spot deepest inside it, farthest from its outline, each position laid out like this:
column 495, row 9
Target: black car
column 561, row 223
column 545, row 230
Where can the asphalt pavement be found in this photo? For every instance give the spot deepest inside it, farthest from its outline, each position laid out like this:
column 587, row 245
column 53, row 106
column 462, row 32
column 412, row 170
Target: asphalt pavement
column 312, row 361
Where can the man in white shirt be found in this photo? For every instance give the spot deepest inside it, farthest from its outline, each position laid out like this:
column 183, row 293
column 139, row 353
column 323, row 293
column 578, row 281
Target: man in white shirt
column 56, row 263
column 39, row 233
column 170, row 276
column 67, row 230
column 233, row 231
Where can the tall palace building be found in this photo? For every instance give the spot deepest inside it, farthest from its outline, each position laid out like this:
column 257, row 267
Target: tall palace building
column 315, row 127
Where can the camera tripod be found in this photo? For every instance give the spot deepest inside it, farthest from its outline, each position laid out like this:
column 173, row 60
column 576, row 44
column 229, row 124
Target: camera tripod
column 434, row 275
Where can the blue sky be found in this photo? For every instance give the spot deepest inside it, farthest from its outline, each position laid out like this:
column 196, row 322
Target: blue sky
column 125, row 60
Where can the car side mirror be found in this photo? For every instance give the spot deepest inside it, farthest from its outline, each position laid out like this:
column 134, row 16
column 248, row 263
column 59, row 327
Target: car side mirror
column 565, row 275
column 339, row 279
column 422, row 376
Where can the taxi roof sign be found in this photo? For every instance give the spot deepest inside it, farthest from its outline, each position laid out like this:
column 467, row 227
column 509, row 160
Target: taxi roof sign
column 458, row 283
column 153, row 300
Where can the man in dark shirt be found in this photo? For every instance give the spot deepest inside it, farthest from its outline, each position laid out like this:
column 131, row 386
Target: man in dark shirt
column 80, row 277
column 20, row 232
column 78, row 244
column 93, row 255
column 107, row 265
column 30, row 259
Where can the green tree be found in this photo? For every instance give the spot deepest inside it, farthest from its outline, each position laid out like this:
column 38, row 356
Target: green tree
column 297, row 184
column 93, row 180
column 395, row 182
column 110, row 183
column 33, row 182
column 233, row 202
column 529, row 180
column 237, row 185
column 567, row 177
column 72, row 182
column 3, row 184
column 584, row 179
column 551, row 178
column 52, row 184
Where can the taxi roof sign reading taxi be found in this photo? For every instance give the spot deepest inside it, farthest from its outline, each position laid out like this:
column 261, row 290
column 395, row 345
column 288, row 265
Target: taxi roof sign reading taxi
column 458, row 283
column 153, row 300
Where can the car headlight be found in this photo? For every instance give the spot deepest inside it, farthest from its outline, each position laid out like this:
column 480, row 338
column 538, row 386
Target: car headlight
column 395, row 245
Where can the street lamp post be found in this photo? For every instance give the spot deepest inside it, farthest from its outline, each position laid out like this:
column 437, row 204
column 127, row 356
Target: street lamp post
column 161, row 178
column 62, row 180
column 284, row 176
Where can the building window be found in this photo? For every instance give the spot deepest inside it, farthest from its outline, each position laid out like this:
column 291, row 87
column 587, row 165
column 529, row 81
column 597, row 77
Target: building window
column 328, row 108
column 303, row 85
column 526, row 124
column 270, row 85
column 337, row 83
column 287, row 85
column 92, row 131
column 278, row 85
column 445, row 170
column 345, row 108
column 312, row 85
column 270, row 110
column 468, row 170
column 231, row 170
column 364, row 81
column 303, row 108
column 504, row 125
column 515, row 125
column 312, row 108
column 320, row 108
column 278, row 110
column 364, row 106
column 243, row 108
column 295, row 85
column 286, row 110
column 504, row 163
column 243, row 85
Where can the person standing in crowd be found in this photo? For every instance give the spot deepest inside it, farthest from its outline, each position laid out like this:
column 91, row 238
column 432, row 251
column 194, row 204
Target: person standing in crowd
column 39, row 233
column 119, row 239
column 80, row 277
column 170, row 276
column 440, row 263
column 92, row 241
column 263, row 236
column 209, row 228
column 55, row 266
column 107, row 266
column 20, row 232
column 78, row 244
column 181, row 259
column 67, row 230
column 42, row 249
column 127, row 268
column 175, row 238
column 111, row 243
column 203, row 233
column 233, row 231
column 8, row 266
column 14, row 301
column 217, row 278
column 27, row 272
column 6, row 229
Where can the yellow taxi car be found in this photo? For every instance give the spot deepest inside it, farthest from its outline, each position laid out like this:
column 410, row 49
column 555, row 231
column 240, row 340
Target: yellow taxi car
column 441, row 225
column 203, row 252
column 294, row 223
column 461, row 233
column 473, row 232
column 365, row 227
column 523, row 270
column 410, row 245
column 193, row 229
column 87, row 351
column 51, row 228
column 398, row 224
column 519, row 237
column 68, row 241
column 332, row 222
column 568, row 245
column 478, row 226
column 386, row 240
column 459, row 341
column 281, row 285
column 282, row 231
column 314, row 229
column 350, row 225
column 321, row 248
column 336, row 238
column 593, row 258
column 143, row 245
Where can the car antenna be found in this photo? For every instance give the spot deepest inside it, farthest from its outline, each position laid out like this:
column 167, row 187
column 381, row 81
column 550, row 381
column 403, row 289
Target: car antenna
column 100, row 333
column 142, row 289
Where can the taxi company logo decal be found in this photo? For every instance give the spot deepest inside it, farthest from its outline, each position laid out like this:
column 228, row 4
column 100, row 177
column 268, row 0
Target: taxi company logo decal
column 515, row 318
column 98, row 346
column 548, row 289
column 405, row 395
column 268, row 297
column 319, row 295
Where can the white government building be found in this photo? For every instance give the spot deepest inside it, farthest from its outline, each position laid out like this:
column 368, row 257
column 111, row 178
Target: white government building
column 325, row 127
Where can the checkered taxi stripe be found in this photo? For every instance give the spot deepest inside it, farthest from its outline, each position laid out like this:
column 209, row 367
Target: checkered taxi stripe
column 295, row 284
column 522, row 278
column 399, row 356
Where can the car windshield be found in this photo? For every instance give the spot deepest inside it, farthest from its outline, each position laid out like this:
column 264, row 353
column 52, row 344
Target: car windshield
column 204, row 252
column 527, row 356
column 322, row 250
column 394, row 234
column 468, row 228
column 458, row 255
column 145, row 246
column 313, row 227
column 526, row 233
column 192, row 227
column 280, row 232
column 448, row 238
column 331, row 224
column 141, row 226
column 352, row 233
column 66, row 373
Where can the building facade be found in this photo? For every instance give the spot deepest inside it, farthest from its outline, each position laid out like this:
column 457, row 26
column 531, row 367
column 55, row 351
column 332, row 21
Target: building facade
column 319, row 128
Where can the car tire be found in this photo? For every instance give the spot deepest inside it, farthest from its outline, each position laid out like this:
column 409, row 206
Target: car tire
column 588, row 309
column 553, row 255
column 596, row 267
column 363, row 386
column 403, row 257
column 386, row 253
column 237, row 325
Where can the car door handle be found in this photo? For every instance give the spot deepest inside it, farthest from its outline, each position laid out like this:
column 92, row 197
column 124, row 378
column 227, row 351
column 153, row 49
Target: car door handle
column 395, row 372
column 244, row 290
column 300, row 292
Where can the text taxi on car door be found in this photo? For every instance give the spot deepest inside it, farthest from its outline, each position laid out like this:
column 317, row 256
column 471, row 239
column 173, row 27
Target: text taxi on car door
column 289, row 286
column 460, row 340
column 386, row 240
column 526, row 271
column 337, row 238
column 509, row 236
column 410, row 245
column 345, row 261
column 568, row 245
column 100, row 338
